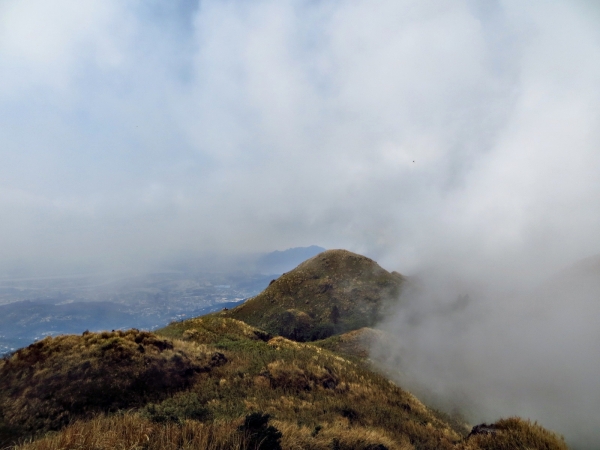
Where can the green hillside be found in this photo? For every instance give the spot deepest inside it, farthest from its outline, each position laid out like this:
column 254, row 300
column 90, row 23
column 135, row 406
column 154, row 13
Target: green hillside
column 332, row 293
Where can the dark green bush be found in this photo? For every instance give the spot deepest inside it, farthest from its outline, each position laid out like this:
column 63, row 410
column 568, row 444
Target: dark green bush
column 260, row 435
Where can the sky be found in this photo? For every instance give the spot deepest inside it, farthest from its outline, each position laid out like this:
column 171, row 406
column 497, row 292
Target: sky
column 134, row 133
column 456, row 141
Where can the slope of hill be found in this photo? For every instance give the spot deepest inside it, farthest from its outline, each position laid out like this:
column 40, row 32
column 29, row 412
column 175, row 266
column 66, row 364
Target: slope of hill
column 331, row 293
column 271, row 393
column 354, row 343
column 46, row 385
column 216, row 382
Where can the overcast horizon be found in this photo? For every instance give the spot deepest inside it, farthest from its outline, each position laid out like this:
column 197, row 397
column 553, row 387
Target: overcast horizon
column 418, row 133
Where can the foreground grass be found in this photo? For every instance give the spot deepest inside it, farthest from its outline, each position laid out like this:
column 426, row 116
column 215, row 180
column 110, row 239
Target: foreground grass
column 57, row 380
column 515, row 433
column 222, row 372
column 303, row 385
column 132, row 431
column 136, row 432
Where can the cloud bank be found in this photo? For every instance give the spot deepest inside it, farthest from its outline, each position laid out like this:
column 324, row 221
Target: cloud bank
column 483, row 349
column 407, row 130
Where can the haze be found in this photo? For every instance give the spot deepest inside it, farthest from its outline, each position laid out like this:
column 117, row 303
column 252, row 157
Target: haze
column 134, row 132
column 460, row 135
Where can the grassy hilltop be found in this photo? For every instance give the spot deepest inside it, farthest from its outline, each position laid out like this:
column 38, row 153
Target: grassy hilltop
column 218, row 382
column 331, row 293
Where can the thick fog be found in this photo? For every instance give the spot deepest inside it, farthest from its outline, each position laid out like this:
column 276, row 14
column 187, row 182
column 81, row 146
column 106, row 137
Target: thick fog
column 455, row 138
column 485, row 350
column 137, row 132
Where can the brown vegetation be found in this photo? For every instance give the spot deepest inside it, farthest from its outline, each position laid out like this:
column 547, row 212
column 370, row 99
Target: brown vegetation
column 514, row 434
column 307, row 388
column 131, row 431
column 48, row 384
column 354, row 343
column 316, row 400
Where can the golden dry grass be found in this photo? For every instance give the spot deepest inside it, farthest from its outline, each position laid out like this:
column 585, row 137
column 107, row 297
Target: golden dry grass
column 56, row 380
column 135, row 432
column 129, row 432
column 297, row 437
column 307, row 387
column 355, row 343
column 317, row 399
column 515, row 433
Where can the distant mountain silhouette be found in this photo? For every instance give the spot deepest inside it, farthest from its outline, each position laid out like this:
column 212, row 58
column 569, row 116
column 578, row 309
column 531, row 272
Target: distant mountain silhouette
column 281, row 261
column 331, row 293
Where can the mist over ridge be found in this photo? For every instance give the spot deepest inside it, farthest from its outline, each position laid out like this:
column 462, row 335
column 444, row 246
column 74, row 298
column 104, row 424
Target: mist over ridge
column 489, row 348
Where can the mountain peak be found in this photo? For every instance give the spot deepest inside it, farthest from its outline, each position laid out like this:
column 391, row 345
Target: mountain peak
column 331, row 293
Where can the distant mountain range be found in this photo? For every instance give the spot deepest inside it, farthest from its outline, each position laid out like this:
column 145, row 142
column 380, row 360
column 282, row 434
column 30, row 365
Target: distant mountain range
column 281, row 261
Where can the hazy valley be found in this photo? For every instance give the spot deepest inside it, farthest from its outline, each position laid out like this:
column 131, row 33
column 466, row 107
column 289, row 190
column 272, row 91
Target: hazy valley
column 31, row 308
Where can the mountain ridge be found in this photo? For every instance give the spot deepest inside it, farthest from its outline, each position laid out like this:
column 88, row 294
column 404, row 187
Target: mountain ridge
column 217, row 382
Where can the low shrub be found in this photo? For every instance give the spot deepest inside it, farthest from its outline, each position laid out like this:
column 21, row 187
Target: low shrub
column 513, row 433
column 259, row 435
column 177, row 409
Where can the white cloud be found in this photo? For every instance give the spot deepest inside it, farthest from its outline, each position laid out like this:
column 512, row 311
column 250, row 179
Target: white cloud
column 45, row 43
column 310, row 115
